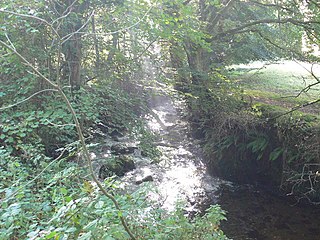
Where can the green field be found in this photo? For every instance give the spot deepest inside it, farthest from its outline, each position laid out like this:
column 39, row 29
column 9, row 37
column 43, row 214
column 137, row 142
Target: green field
column 283, row 83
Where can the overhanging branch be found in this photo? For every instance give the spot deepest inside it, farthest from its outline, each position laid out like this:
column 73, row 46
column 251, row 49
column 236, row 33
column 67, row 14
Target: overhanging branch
column 264, row 21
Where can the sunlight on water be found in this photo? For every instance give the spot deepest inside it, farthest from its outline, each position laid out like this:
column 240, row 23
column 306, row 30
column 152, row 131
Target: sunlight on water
column 180, row 174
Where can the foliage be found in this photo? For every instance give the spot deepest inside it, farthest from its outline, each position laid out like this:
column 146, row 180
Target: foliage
column 257, row 143
column 60, row 205
column 146, row 141
column 44, row 192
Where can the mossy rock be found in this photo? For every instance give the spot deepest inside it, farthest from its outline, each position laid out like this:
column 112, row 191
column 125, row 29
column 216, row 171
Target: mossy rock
column 118, row 165
column 123, row 148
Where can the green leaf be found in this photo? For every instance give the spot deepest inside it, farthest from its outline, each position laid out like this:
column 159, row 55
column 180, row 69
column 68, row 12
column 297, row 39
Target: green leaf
column 99, row 204
column 22, row 134
column 275, row 154
column 10, row 140
column 71, row 230
column 63, row 191
column 91, row 225
column 51, row 235
column 85, row 236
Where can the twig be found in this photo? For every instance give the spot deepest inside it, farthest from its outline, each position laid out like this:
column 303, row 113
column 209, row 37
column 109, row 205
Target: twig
column 294, row 109
column 144, row 50
column 24, row 100
column 11, row 44
column 59, row 125
column 65, row 13
column 32, row 17
column 68, row 36
column 309, row 71
column 35, row 178
column 80, row 134
column 122, row 29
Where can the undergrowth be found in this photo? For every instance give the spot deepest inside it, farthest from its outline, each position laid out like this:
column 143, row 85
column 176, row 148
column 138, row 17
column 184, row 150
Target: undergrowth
column 57, row 201
column 257, row 142
column 46, row 194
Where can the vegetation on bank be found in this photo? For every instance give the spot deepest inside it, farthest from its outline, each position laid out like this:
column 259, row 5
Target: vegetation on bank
column 71, row 71
column 261, row 133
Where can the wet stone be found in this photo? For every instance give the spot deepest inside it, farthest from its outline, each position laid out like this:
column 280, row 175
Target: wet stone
column 148, row 178
column 123, row 148
column 118, row 166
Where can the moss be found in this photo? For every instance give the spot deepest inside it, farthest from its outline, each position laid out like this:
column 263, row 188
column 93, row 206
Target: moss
column 118, row 165
column 257, row 146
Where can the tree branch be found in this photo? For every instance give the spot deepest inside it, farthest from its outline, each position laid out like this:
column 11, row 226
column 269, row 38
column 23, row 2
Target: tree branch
column 32, row 17
column 220, row 14
column 278, row 46
column 275, row 5
column 24, row 100
column 80, row 134
column 264, row 21
column 294, row 109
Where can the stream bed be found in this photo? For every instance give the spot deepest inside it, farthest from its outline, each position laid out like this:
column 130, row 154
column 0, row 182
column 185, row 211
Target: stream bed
column 180, row 174
column 254, row 213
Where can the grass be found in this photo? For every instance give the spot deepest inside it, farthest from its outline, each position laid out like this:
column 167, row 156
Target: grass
column 279, row 83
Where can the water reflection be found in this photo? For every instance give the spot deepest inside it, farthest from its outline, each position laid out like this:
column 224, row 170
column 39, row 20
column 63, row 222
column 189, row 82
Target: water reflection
column 180, row 175
column 254, row 213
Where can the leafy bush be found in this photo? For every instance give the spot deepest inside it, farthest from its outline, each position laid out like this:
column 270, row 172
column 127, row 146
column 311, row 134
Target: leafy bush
column 58, row 203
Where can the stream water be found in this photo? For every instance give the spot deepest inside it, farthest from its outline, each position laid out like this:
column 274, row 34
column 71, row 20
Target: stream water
column 252, row 212
column 181, row 175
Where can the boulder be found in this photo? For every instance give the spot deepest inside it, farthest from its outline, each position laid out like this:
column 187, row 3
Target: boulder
column 118, row 165
column 148, row 178
column 123, row 148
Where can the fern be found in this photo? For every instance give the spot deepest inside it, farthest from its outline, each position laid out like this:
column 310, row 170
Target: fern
column 258, row 144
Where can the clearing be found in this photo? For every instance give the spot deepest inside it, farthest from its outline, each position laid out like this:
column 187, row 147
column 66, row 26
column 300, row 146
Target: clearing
column 286, row 84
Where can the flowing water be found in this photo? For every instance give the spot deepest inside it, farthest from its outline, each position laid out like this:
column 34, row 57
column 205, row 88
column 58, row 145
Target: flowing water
column 257, row 214
column 181, row 175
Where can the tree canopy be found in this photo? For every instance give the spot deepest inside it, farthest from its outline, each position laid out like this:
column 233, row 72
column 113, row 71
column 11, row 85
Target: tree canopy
column 71, row 68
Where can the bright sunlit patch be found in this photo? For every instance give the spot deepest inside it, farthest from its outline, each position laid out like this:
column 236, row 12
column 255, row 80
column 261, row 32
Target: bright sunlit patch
column 296, row 67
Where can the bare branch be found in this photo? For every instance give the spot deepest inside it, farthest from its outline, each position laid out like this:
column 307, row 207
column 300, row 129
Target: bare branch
column 264, row 21
column 28, row 98
column 65, row 13
column 144, row 50
column 59, row 125
column 304, row 90
column 311, row 72
column 275, row 5
column 32, row 17
column 122, row 29
column 307, row 178
column 67, row 37
column 278, row 46
column 11, row 44
column 295, row 109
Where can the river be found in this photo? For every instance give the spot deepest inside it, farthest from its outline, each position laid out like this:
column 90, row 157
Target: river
column 253, row 213
column 181, row 175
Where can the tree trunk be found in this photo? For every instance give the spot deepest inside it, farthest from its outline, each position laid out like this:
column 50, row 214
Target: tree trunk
column 74, row 61
column 96, row 45
column 177, row 57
